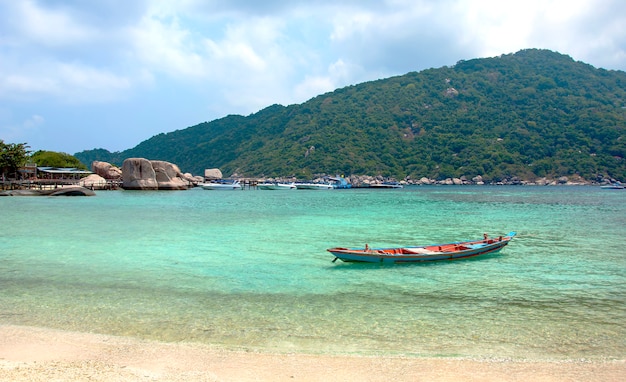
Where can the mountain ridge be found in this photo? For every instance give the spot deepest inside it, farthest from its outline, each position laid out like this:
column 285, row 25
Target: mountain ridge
column 531, row 114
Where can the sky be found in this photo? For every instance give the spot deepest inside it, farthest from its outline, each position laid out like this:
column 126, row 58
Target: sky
column 79, row 75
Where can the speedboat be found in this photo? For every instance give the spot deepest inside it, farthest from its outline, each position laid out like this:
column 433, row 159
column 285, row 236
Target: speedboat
column 223, row 185
column 276, row 186
column 314, row 186
column 339, row 182
column 386, row 185
column 614, row 186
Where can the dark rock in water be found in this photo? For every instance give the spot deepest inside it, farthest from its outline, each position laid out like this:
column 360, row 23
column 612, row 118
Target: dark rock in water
column 106, row 170
column 73, row 191
column 64, row 191
column 20, row 193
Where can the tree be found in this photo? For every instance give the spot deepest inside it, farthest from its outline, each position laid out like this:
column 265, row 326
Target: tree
column 12, row 157
column 56, row 159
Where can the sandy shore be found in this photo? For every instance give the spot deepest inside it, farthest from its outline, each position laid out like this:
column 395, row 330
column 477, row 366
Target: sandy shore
column 36, row 354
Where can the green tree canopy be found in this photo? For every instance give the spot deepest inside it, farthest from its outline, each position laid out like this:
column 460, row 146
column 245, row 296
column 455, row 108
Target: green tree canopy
column 56, row 159
column 12, row 157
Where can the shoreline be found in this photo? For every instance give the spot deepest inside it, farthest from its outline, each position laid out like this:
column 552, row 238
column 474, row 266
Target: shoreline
column 41, row 354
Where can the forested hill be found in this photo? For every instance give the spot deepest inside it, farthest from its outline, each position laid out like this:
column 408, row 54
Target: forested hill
column 535, row 113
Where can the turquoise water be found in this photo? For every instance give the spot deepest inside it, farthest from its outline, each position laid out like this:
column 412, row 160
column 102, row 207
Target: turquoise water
column 248, row 270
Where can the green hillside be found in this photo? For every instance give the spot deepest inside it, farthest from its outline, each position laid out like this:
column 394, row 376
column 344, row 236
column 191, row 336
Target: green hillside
column 535, row 113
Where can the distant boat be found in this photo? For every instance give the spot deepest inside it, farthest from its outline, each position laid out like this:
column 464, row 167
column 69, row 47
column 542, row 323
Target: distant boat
column 276, row 186
column 339, row 182
column 314, row 186
column 433, row 252
column 221, row 185
column 614, row 186
column 386, row 185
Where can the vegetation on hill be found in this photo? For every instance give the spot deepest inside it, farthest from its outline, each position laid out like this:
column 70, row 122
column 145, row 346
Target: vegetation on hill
column 56, row 159
column 531, row 114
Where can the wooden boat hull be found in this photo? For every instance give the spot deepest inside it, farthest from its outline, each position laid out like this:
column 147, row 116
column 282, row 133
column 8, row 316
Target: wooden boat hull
column 433, row 252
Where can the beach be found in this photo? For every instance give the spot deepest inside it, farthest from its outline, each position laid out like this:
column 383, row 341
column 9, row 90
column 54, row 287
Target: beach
column 38, row 354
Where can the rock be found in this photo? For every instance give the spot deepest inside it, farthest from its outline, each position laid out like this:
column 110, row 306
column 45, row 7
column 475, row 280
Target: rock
column 71, row 191
column 93, row 181
column 425, row 180
column 138, row 174
column 168, row 176
column 189, row 177
column 142, row 174
column 61, row 191
column 197, row 179
column 20, row 193
column 106, row 170
column 213, row 173
column 451, row 92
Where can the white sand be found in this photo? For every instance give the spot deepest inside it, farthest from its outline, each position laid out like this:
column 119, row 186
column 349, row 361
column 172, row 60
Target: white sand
column 36, row 354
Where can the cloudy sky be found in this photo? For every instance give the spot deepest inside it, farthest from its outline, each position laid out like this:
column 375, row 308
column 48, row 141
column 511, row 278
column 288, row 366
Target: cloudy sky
column 77, row 75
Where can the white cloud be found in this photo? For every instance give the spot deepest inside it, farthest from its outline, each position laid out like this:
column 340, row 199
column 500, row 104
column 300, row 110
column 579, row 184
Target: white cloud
column 48, row 27
column 64, row 82
column 241, row 56
column 165, row 46
column 592, row 31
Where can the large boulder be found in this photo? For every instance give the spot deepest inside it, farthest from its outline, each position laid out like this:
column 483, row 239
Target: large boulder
column 143, row 174
column 212, row 173
column 93, row 181
column 169, row 176
column 106, row 170
column 138, row 174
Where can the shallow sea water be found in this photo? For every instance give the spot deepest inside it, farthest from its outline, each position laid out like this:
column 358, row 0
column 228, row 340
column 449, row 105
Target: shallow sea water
column 248, row 270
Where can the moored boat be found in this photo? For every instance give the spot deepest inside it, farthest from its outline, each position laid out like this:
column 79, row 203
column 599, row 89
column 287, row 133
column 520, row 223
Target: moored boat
column 313, row 186
column 339, row 182
column 415, row 254
column 276, row 186
column 614, row 186
column 386, row 185
column 221, row 185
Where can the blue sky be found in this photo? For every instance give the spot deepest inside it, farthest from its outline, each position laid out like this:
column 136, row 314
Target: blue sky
column 77, row 75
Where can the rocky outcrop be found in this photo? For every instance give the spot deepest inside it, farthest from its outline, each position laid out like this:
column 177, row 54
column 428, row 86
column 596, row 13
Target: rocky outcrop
column 138, row 174
column 71, row 191
column 143, row 174
column 94, row 182
column 213, row 173
column 194, row 179
column 61, row 191
column 169, row 176
column 106, row 170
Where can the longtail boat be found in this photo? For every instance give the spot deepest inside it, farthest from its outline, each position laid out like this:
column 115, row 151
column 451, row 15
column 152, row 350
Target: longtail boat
column 432, row 252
